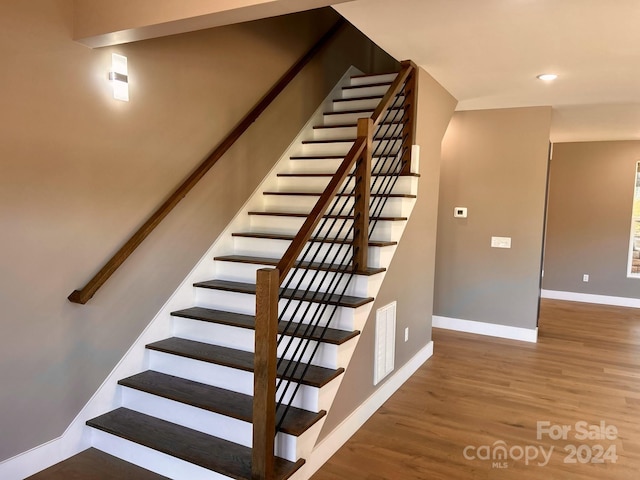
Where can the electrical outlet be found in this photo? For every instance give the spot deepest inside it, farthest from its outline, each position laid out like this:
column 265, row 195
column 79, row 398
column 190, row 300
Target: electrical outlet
column 406, row 334
column 585, row 277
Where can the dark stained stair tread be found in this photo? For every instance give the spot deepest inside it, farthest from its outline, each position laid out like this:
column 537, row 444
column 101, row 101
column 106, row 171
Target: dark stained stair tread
column 370, row 97
column 317, row 157
column 317, row 297
column 214, row 399
column 229, row 357
column 195, row 447
column 380, row 84
column 330, row 335
column 350, row 125
column 337, row 140
column 306, row 175
column 312, row 266
column 93, row 464
column 361, row 110
column 305, row 215
column 327, row 157
column 284, row 236
column 367, row 75
column 317, row 194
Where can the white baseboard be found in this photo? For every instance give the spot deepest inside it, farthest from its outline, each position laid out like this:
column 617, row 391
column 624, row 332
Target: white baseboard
column 343, row 432
column 490, row 329
column 591, row 298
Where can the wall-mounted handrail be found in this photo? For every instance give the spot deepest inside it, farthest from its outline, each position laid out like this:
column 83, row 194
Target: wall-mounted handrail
column 269, row 281
column 85, row 294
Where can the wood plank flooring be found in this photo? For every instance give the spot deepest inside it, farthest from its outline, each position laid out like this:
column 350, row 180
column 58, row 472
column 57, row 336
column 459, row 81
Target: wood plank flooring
column 478, row 393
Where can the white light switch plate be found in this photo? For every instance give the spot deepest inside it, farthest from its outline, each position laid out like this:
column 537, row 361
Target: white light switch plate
column 501, row 242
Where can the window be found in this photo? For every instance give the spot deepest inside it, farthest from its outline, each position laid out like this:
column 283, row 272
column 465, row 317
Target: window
column 634, row 245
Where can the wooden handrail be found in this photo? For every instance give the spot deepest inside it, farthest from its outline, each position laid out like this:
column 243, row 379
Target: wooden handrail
column 83, row 295
column 289, row 258
column 407, row 67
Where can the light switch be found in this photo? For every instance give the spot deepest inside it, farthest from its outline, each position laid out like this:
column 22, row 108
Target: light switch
column 501, row 242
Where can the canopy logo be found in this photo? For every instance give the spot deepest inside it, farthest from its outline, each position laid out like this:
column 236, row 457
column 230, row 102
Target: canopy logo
column 500, row 454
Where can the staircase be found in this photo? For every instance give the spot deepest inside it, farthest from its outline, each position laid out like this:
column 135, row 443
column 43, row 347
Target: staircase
column 189, row 414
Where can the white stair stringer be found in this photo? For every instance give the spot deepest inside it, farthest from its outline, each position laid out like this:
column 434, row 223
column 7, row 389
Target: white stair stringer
column 138, row 359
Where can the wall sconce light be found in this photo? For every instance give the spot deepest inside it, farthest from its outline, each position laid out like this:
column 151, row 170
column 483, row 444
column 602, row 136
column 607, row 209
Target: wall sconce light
column 119, row 77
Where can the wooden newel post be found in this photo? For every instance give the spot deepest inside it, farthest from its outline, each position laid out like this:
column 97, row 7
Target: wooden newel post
column 410, row 114
column 362, row 194
column 264, row 377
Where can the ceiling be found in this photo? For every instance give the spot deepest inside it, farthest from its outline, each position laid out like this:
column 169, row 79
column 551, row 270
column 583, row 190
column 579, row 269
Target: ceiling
column 487, row 54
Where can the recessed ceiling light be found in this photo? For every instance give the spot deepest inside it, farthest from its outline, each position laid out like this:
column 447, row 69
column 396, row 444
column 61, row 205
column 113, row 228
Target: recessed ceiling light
column 547, row 77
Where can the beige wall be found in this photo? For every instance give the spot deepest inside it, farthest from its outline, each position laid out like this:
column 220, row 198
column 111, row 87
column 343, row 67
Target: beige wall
column 589, row 219
column 80, row 171
column 409, row 280
column 494, row 162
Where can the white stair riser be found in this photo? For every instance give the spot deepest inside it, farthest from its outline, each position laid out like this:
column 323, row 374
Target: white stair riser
column 323, row 165
column 381, row 147
column 365, row 104
column 344, row 318
column 276, row 248
column 369, row 79
column 345, row 118
column 402, row 185
column 312, row 279
column 350, row 133
column 152, row 460
column 389, row 207
column 355, row 104
column 364, row 91
column 383, row 230
column 211, row 423
column 328, row 355
column 307, row 397
column 303, row 445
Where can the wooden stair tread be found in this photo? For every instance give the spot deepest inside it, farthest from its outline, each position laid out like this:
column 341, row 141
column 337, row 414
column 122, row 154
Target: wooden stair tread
column 342, row 217
column 383, row 174
column 217, row 400
column 284, row 236
column 368, row 97
column 329, row 157
column 93, row 464
column 352, row 194
column 361, row 110
column 337, row 140
column 331, row 335
column 350, row 140
column 366, row 75
column 316, row 297
column 380, row 84
column 195, row 447
column 350, row 125
column 312, row 266
column 241, row 360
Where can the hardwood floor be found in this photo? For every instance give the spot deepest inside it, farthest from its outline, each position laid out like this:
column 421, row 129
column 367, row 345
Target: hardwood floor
column 480, row 391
